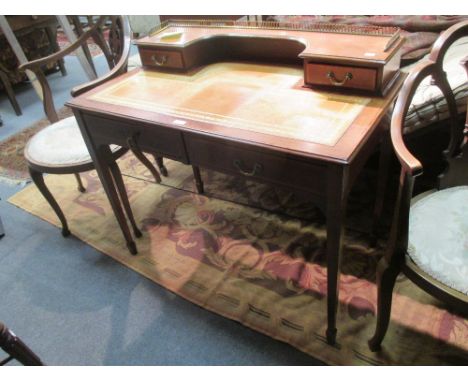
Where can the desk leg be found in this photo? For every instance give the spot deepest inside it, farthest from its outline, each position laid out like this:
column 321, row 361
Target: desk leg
column 382, row 181
column 102, row 162
column 160, row 162
column 102, row 159
column 336, row 213
column 198, row 179
column 119, row 183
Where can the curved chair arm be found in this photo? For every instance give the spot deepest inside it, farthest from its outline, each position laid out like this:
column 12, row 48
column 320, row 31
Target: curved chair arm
column 446, row 39
column 37, row 64
column 410, row 166
column 35, row 67
column 416, row 76
column 118, row 69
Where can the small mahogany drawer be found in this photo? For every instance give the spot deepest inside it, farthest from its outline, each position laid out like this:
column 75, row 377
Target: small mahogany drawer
column 255, row 163
column 150, row 138
column 161, row 58
column 340, row 76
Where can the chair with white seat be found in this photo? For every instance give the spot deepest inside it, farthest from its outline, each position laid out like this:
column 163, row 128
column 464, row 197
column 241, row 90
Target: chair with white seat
column 60, row 147
column 429, row 236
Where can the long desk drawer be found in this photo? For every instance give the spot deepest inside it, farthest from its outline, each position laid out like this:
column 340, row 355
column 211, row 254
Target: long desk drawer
column 150, row 138
column 258, row 164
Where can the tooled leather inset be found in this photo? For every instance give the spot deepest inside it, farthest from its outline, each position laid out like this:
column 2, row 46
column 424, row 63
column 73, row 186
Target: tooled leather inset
column 260, row 98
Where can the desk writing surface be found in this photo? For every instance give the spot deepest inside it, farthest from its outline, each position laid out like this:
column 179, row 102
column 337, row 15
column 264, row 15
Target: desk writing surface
column 140, row 96
column 258, row 98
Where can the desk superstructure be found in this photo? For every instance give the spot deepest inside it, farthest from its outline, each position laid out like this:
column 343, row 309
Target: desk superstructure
column 249, row 117
column 349, row 57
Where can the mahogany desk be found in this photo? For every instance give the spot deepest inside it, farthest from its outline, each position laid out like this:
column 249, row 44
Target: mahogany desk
column 253, row 120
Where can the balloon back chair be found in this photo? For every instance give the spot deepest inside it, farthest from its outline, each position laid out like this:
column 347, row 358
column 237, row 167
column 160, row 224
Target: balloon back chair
column 429, row 235
column 60, row 148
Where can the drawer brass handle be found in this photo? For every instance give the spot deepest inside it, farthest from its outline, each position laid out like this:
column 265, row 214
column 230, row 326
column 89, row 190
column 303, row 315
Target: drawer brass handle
column 257, row 168
column 160, row 62
column 336, row 82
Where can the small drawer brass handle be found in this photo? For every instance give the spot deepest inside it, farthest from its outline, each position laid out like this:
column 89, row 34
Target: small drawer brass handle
column 160, row 62
column 257, row 168
column 336, row 82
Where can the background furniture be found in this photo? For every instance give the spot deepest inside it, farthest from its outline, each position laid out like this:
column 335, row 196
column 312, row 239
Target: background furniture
column 36, row 37
column 428, row 241
column 9, row 91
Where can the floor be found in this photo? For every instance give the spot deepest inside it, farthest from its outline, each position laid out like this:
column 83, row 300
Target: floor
column 75, row 306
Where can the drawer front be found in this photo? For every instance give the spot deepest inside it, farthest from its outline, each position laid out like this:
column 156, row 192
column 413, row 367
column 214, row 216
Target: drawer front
column 149, row 138
column 341, row 76
column 260, row 165
column 161, row 58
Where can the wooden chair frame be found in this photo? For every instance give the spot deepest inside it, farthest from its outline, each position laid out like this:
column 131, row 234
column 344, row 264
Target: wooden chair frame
column 396, row 259
column 10, row 92
column 16, row 349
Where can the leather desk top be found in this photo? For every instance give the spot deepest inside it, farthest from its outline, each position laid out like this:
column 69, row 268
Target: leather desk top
column 262, row 104
column 258, row 98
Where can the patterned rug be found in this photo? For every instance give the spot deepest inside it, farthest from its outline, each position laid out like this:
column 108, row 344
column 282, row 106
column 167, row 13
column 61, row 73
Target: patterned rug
column 257, row 255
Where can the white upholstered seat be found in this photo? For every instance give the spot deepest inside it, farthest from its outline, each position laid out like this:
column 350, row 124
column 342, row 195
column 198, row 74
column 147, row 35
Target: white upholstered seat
column 60, row 144
column 438, row 236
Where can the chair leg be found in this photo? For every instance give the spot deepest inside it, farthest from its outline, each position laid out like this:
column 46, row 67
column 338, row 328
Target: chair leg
column 38, row 180
column 16, row 348
column 79, row 31
column 53, row 42
column 118, row 180
column 2, row 230
column 142, row 158
column 386, row 277
column 198, row 179
column 160, row 163
column 10, row 93
column 80, row 183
